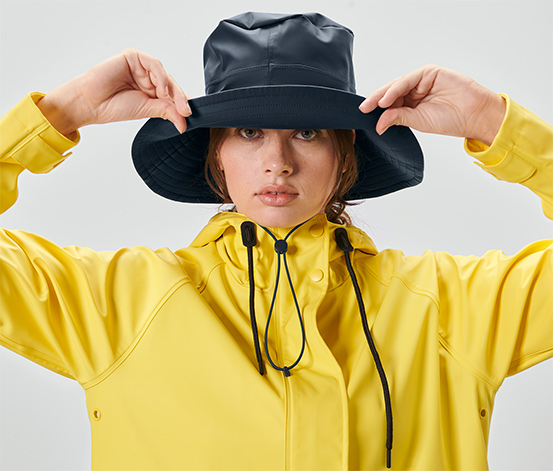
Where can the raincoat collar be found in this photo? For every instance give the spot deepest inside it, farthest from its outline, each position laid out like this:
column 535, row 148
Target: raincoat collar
column 228, row 224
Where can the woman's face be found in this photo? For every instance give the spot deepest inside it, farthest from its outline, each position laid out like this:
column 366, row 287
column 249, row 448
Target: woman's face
column 278, row 177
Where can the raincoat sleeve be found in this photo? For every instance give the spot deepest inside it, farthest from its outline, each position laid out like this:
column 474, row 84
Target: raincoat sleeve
column 72, row 310
column 28, row 141
column 496, row 311
column 522, row 152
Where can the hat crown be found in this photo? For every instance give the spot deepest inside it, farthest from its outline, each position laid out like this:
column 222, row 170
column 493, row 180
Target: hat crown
column 263, row 49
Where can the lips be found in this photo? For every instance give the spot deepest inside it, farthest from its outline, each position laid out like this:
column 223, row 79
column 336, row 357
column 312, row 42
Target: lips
column 277, row 195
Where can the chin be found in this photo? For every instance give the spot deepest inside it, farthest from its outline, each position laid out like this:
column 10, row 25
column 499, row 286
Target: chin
column 279, row 218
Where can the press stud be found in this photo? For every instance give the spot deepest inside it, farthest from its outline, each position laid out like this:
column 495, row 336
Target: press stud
column 281, row 246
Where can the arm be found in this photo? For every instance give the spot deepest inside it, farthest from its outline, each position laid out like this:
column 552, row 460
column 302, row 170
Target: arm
column 68, row 308
column 512, row 143
column 130, row 85
column 496, row 311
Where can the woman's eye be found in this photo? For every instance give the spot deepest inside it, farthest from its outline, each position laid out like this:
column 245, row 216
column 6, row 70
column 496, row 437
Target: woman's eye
column 308, row 134
column 248, row 133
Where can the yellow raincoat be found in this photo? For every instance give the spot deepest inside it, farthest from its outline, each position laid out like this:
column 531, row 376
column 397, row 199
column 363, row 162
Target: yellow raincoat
column 162, row 343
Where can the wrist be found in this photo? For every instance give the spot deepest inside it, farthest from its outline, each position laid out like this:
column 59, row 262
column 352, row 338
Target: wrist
column 491, row 119
column 63, row 108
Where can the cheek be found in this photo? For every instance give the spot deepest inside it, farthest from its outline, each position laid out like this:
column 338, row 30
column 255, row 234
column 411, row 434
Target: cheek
column 325, row 172
column 237, row 174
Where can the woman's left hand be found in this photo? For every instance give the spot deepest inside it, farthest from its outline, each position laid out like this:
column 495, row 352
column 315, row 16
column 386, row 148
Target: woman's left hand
column 440, row 101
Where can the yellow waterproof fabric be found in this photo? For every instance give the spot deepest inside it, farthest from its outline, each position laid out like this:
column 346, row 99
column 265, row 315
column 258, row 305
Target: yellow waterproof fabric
column 162, row 344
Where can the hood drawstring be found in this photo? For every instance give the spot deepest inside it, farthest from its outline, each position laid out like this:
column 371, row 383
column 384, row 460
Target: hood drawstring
column 342, row 240
column 249, row 240
column 281, row 247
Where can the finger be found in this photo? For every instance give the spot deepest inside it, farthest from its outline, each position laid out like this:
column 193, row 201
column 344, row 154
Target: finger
column 143, row 80
column 398, row 103
column 371, row 102
column 148, row 73
column 396, row 117
column 139, row 73
column 414, row 86
column 158, row 75
column 400, row 88
column 152, row 78
column 179, row 97
column 166, row 109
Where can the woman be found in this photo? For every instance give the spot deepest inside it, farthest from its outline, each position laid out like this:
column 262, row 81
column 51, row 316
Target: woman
column 171, row 342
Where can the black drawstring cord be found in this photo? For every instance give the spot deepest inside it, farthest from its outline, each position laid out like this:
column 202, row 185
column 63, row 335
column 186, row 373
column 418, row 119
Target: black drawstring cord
column 249, row 239
column 342, row 240
column 281, row 246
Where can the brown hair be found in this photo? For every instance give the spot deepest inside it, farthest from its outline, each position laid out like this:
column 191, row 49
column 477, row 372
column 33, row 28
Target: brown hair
column 346, row 172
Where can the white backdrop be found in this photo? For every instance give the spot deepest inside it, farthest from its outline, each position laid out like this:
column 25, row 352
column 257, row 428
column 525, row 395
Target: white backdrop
column 96, row 199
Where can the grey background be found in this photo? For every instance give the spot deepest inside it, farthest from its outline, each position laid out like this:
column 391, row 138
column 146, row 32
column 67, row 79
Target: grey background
column 96, row 199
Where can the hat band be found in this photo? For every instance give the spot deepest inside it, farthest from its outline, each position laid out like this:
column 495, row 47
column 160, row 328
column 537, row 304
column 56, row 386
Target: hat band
column 275, row 75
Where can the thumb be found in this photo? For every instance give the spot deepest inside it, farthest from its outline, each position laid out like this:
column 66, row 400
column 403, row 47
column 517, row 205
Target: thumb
column 399, row 116
column 166, row 109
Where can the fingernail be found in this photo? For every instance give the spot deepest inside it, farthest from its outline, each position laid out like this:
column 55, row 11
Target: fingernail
column 167, row 90
column 189, row 109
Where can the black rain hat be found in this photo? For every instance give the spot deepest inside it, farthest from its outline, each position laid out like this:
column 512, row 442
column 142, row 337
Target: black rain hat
column 274, row 71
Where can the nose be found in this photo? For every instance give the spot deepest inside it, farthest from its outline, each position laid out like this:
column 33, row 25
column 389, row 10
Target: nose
column 278, row 157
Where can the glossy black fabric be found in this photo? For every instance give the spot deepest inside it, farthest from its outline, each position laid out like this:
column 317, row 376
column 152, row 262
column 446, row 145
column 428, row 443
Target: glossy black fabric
column 268, row 49
column 265, row 70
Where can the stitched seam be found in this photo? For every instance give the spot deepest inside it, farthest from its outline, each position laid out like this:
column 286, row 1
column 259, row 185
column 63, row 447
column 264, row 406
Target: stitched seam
column 134, row 343
column 272, row 106
column 278, row 66
column 408, row 285
column 35, row 356
column 269, row 54
column 523, row 359
column 465, row 363
column 285, row 95
column 203, row 282
column 31, row 134
column 272, row 115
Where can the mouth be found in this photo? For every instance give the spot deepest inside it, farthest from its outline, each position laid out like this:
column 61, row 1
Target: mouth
column 277, row 195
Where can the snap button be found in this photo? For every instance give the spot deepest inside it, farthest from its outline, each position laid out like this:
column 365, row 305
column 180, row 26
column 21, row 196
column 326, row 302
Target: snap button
column 483, row 413
column 316, row 230
column 317, row 275
column 97, row 415
column 281, row 246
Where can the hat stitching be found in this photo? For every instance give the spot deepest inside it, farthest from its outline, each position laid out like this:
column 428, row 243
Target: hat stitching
column 269, row 54
column 271, row 105
column 337, row 95
column 274, row 115
column 302, row 66
column 272, row 64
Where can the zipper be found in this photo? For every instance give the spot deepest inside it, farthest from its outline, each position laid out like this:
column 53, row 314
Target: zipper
column 288, row 427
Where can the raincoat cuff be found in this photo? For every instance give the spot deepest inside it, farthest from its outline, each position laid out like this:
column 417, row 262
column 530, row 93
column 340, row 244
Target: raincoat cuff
column 511, row 155
column 37, row 145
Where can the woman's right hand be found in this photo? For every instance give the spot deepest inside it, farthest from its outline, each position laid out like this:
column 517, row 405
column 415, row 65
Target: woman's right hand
column 129, row 85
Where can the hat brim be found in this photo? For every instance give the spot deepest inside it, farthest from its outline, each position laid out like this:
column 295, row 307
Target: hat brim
column 172, row 164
